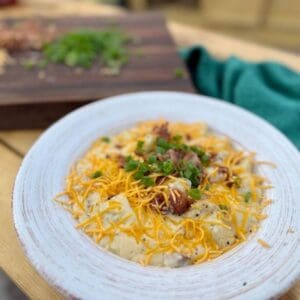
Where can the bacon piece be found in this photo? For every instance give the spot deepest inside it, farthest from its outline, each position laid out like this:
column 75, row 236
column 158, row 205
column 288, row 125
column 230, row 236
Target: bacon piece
column 224, row 171
column 160, row 180
column 162, row 131
column 212, row 156
column 26, row 35
column 174, row 155
column 158, row 204
column 234, row 181
column 179, row 202
column 221, row 175
column 188, row 136
column 121, row 160
column 193, row 158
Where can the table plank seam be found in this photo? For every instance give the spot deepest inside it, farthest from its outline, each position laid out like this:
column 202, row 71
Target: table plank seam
column 11, row 148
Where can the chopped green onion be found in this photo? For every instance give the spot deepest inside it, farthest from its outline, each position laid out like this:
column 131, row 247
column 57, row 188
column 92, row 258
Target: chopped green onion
column 83, row 47
column 195, row 194
column 168, row 167
column 96, row 174
column 128, row 158
column 105, row 139
column 163, row 143
column 140, row 53
column 223, row 207
column 147, row 181
column 187, row 173
column 179, row 73
column 165, row 166
column 152, row 159
column 144, row 168
column 139, row 148
column 131, row 165
column 138, row 175
column 177, row 139
column 183, row 147
column 191, row 173
column 198, row 151
column 160, row 150
column 207, row 187
column 28, row 64
column 42, row 63
column 237, row 181
column 157, row 167
column 205, row 160
column 247, row 197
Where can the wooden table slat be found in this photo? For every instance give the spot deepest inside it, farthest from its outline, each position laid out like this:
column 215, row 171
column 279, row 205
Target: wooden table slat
column 19, row 140
column 224, row 46
column 12, row 258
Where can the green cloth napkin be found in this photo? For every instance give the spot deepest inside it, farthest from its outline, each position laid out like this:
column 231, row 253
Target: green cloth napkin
column 268, row 89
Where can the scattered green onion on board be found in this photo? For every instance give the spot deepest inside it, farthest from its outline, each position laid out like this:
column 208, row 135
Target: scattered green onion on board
column 179, row 73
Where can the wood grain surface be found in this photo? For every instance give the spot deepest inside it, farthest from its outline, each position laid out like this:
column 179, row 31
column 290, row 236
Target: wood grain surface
column 12, row 258
column 29, row 101
column 19, row 141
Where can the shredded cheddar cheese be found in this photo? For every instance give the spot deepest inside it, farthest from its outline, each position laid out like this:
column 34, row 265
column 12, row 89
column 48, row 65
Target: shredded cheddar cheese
column 263, row 243
column 135, row 218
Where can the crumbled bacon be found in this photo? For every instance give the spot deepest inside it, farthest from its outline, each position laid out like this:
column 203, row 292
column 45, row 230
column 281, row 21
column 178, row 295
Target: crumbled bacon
column 121, row 160
column 179, row 202
column 221, row 175
column 160, row 180
column 193, row 158
column 224, row 171
column 174, row 155
column 161, row 157
column 162, row 131
column 212, row 156
column 234, row 180
column 158, row 204
column 177, row 155
column 202, row 176
column 27, row 35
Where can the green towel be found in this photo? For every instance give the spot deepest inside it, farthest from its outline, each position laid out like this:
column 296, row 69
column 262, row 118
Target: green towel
column 268, row 89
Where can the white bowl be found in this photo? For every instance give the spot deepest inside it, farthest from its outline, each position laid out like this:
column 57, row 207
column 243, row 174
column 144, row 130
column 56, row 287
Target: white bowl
column 78, row 268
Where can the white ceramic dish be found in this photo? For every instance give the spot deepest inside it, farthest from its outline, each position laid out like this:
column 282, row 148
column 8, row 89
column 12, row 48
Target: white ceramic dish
column 72, row 263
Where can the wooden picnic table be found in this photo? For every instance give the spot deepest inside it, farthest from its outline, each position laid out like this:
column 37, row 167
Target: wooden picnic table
column 15, row 144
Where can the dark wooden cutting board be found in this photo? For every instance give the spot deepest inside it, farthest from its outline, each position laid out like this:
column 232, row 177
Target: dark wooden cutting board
column 29, row 100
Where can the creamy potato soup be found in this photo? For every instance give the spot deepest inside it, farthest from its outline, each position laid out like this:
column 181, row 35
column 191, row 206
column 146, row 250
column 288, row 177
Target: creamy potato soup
column 166, row 194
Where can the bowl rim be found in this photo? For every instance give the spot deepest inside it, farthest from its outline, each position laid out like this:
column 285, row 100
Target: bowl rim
column 281, row 288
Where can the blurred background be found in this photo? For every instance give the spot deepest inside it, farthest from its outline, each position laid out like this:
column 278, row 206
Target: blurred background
column 273, row 23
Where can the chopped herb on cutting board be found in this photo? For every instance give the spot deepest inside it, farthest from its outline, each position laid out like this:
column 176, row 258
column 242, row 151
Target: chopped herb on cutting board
column 82, row 48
